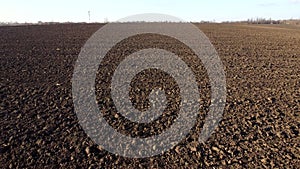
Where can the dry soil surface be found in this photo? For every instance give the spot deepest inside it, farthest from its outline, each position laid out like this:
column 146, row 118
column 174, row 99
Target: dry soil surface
column 260, row 125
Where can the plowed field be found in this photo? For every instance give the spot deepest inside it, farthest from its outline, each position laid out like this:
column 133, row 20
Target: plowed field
column 260, row 125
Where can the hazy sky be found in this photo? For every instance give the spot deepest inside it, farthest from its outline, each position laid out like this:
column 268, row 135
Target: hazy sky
column 188, row 10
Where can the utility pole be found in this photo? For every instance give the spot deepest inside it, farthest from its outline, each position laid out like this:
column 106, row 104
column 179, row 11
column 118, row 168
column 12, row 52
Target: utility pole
column 105, row 20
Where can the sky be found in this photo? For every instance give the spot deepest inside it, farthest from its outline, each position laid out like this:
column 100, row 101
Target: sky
column 32, row 11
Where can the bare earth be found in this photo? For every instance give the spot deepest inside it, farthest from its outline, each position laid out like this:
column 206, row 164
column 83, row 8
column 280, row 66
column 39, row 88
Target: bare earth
column 260, row 126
